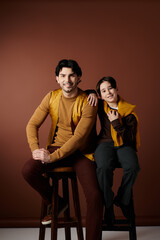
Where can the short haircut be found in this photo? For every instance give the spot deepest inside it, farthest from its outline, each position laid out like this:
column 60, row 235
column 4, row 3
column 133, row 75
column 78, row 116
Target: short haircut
column 69, row 64
column 109, row 79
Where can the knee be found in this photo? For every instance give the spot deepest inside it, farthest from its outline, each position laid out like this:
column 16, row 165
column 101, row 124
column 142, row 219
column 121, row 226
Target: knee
column 104, row 167
column 104, row 162
column 128, row 159
column 27, row 169
column 133, row 167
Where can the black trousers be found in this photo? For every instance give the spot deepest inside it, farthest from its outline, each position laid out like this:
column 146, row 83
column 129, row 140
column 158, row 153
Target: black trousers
column 107, row 158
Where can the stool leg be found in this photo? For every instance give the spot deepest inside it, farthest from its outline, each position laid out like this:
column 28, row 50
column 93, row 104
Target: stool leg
column 100, row 236
column 132, row 232
column 67, row 212
column 54, row 224
column 77, row 206
column 42, row 227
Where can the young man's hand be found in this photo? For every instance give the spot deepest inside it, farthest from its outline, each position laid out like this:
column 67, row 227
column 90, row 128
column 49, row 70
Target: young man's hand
column 42, row 155
column 92, row 99
column 112, row 115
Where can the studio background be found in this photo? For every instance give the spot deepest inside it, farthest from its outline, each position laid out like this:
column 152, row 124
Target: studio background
column 116, row 38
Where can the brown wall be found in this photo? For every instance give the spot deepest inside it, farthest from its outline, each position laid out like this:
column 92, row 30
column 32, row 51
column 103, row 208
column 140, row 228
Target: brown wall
column 117, row 38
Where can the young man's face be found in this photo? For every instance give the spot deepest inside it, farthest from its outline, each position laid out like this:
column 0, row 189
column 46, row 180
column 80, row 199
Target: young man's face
column 108, row 93
column 68, row 81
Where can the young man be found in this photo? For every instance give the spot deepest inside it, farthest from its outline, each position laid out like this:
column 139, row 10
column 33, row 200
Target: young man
column 71, row 142
column 118, row 142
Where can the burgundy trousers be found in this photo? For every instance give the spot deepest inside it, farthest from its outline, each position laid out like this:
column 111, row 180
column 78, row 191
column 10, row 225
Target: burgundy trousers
column 86, row 172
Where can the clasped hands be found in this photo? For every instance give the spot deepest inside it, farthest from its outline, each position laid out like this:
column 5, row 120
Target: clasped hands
column 41, row 154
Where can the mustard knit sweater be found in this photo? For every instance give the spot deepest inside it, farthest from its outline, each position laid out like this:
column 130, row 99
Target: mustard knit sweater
column 81, row 132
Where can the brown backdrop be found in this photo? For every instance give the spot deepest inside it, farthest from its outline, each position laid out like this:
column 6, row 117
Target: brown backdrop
column 117, row 38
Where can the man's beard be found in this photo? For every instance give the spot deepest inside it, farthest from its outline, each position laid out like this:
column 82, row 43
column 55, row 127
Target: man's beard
column 69, row 90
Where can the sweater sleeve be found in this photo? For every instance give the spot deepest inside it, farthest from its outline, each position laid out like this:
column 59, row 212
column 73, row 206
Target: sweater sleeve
column 80, row 136
column 127, row 130
column 36, row 121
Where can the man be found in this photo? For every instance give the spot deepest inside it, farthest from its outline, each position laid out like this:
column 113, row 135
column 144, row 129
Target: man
column 71, row 140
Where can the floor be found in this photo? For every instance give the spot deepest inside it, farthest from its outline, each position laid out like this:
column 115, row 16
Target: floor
column 143, row 233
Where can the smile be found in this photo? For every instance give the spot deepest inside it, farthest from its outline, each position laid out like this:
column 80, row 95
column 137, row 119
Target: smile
column 68, row 84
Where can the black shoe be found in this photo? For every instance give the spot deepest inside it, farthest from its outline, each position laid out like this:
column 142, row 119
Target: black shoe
column 109, row 217
column 125, row 208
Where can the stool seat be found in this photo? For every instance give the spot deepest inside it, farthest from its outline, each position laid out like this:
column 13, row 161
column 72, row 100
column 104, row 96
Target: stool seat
column 62, row 170
column 65, row 174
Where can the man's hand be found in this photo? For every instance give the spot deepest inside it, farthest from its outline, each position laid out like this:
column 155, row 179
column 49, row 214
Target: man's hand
column 92, row 99
column 112, row 115
column 42, row 155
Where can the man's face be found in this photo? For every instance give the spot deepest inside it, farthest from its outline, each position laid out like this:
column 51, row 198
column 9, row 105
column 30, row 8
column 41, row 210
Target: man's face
column 108, row 93
column 68, row 80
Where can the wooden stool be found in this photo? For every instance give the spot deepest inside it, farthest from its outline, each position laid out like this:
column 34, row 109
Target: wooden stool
column 124, row 224
column 66, row 222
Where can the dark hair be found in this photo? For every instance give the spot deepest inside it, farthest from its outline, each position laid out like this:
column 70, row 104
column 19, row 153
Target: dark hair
column 111, row 80
column 69, row 64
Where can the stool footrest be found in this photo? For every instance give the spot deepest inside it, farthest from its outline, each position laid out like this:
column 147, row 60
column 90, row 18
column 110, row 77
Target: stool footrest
column 121, row 221
column 116, row 228
column 62, row 223
column 69, row 222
